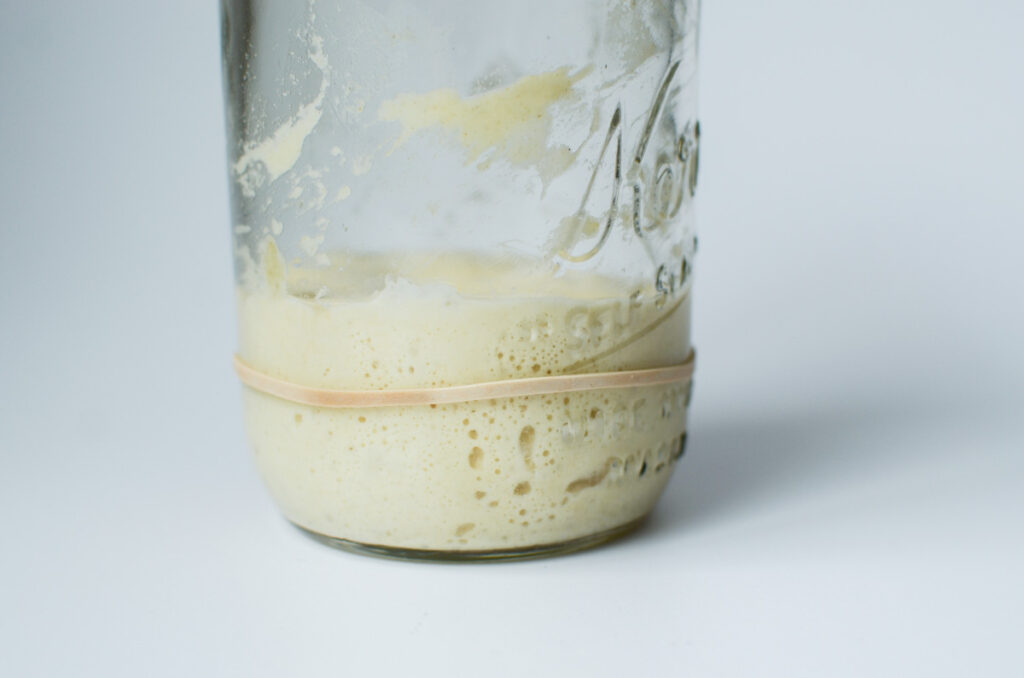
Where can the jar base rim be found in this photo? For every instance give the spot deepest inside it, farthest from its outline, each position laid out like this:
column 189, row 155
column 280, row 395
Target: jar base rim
column 476, row 556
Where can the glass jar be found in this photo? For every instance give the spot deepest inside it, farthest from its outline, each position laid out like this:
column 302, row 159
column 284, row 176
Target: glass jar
column 463, row 236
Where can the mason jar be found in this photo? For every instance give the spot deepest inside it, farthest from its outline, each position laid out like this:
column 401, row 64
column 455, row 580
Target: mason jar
column 464, row 237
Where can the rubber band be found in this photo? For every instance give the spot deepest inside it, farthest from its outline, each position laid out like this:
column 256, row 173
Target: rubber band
column 510, row 388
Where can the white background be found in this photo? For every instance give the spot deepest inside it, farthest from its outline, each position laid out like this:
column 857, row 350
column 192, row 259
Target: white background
column 852, row 501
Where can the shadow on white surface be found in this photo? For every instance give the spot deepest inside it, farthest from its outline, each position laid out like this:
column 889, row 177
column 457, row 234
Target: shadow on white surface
column 735, row 469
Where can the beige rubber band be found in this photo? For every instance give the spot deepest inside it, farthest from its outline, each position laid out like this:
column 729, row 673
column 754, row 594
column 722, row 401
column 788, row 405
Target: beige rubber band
column 321, row 397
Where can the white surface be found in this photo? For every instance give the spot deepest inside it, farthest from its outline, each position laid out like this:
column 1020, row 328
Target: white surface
column 851, row 503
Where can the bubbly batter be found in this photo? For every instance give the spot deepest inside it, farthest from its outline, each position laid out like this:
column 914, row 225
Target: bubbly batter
column 500, row 474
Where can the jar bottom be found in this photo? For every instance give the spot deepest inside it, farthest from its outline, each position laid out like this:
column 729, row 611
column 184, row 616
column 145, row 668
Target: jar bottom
column 490, row 555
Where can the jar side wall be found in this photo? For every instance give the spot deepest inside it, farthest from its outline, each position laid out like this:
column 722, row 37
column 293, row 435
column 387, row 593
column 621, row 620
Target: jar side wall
column 356, row 127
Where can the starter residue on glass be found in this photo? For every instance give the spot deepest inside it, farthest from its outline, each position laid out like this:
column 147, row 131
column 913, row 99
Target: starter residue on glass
column 511, row 122
column 278, row 153
column 515, row 120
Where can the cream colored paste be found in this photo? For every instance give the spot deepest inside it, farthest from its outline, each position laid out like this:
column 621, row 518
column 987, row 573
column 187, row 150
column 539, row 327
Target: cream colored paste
column 500, row 474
